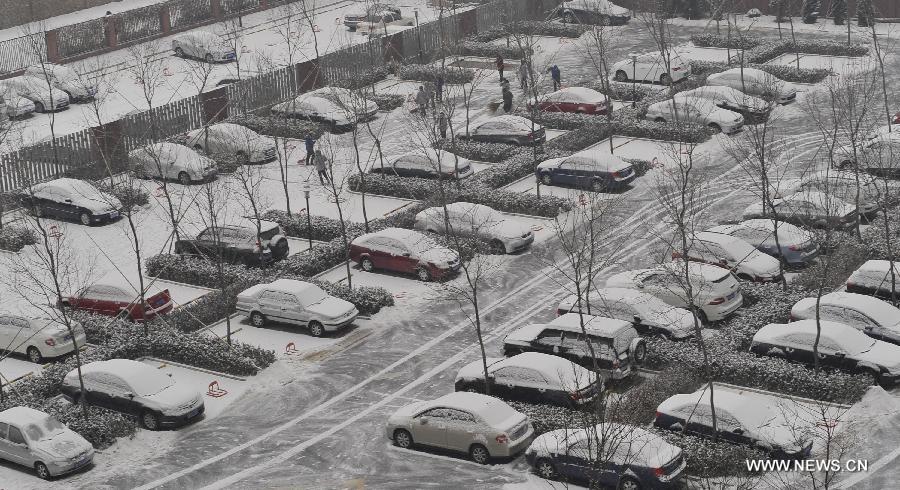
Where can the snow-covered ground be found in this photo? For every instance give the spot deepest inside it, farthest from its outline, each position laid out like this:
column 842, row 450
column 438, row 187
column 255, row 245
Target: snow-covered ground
column 13, row 368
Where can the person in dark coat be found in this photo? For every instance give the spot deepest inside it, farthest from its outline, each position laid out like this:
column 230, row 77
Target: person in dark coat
column 499, row 63
column 507, row 99
column 556, row 76
column 310, row 146
column 442, row 124
column 439, row 87
column 422, row 101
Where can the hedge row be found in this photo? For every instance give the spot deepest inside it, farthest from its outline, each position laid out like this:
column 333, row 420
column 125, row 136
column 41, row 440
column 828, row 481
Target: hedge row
column 489, row 50
column 758, row 50
column 279, row 126
column 130, row 196
column 363, row 79
column 430, row 73
column 710, row 40
column 477, row 150
column 788, row 73
column 531, row 28
column 387, row 102
column 14, row 238
column 764, row 303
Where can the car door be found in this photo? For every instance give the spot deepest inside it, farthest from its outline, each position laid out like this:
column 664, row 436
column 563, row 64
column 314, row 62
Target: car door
column 462, row 429
column 17, row 446
column 830, row 352
column 295, row 311
column 7, row 333
column 798, row 347
column 402, row 258
column 566, row 173
column 505, row 383
column 6, row 450
column 104, row 300
column 870, row 327
column 549, row 341
column 489, row 131
column 576, row 461
column 122, row 396
column 430, row 427
column 662, row 286
column 377, row 250
column 96, row 389
column 19, row 334
column 207, row 242
column 272, row 304
column 53, row 201
column 402, row 166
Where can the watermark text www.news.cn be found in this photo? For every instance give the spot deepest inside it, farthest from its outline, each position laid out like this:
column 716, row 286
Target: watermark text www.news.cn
column 808, row 465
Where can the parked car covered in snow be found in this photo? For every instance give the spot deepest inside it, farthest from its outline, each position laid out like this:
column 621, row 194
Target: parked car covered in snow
column 876, row 318
column 427, row 163
column 649, row 314
column 363, row 108
column 696, row 111
column 122, row 301
column 795, row 245
column 732, row 253
column 38, row 338
column 878, row 153
column 246, row 145
column 741, row 418
column 532, row 377
column 602, row 12
column 71, row 199
column 404, row 251
column 844, row 186
column 750, row 107
column 716, row 291
column 203, row 45
column 807, row 208
column 37, row 440
column 615, row 343
column 588, row 169
column 755, row 82
column 578, row 100
column 840, row 347
column 296, row 302
column 171, row 161
column 316, row 108
column 63, row 78
column 874, row 277
column 135, row 388
column 16, row 106
column 652, row 68
column 481, row 426
column 515, row 130
column 44, row 97
column 631, row 458
column 375, row 13
column 238, row 241
column 504, row 233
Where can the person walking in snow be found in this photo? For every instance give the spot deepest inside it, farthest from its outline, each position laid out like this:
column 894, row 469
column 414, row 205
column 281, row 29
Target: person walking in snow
column 439, row 87
column 422, row 101
column 499, row 63
column 556, row 76
column 322, row 167
column 523, row 75
column 442, row 124
column 507, row 99
column 310, row 145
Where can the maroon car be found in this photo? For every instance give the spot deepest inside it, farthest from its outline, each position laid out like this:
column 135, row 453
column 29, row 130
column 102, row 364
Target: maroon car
column 121, row 301
column 405, row 251
column 896, row 119
column 579, row 100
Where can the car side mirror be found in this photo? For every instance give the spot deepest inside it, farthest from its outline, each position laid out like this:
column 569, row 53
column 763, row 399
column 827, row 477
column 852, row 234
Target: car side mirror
column 738, row 431
column 637, row 319
column 640, row 285
column 840, row 354
column 68, row 200
column 129, row 394
column 423, row 420
column 405, row 254
column 722, row 260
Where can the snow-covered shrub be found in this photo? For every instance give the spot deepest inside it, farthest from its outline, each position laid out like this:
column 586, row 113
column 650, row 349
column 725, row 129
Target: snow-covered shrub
column 323, row 228
column 363, row 79
column 708, row 459
column 131, row 196
column 479, row 151
column 788, row 73
column 710, row 40
column 758, row 50
column 368, row 300
column 518, row 165
column 489, row 50
column 543, row 28
column 386, row 102
column 558, row 120
column 430, row 73
column 14, row 238
column 764, row 303
column 279, row 126
column 746, row 369
column 846, row 253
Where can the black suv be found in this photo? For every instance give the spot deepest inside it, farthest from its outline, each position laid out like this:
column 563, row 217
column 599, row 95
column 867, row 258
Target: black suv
column 238, row 243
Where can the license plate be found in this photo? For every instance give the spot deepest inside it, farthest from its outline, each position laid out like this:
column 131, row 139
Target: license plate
column 732, row 295
column 114, row 214
column 193, row 413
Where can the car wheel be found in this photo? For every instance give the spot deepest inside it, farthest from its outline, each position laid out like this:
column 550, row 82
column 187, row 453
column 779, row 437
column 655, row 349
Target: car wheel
column 38, row 107
column 546, row 179
column 665, row 79
column 598, row 185
column 208, row 58
column 242, row 157
column 403, row 439
column 42, row 471
column 744, row 276
column 545, row 469
column 367, row 264
column 37, row 212
column 184, row 178
column 479, row 454
column 844, row 164
column 569, row 18
column 179, row 52
column 629, row 483
column 150, row 421
column 621, row 76
column 198, row 147
column 715, row 127
column 471, row 389
column 640, row 352
column 316, row 329
column 85, row 218
column 423, row 274
column 604, row 20
column 497, row 247
column 34, row 355
column 257, row 319
column 867, row 372
column 703, row 318
column 124, row 315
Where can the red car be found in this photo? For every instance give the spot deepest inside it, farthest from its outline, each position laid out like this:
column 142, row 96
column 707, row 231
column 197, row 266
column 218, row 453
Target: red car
column 579, row 100
column 405, row 251
column 124, row 302
column 896, row 119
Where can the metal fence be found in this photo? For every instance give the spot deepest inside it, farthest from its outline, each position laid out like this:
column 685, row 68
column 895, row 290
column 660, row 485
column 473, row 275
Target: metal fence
column 184, row 13
column 21, row 52
column 234, row 6
column 81, row 38
column 132, row 25
column 161, row 122
column 266, row 89
column 70, row 154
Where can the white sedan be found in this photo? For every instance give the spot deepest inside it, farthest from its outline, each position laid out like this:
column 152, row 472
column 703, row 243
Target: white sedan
column 38, row 338
column 233, row 139
column 353, row 102
column 651, row 68
column 795, row 245
column 45, row 98
column 807, row 208
column 730, row 99
column 203, row 45
column 16, row 105
column 171, row 161
column 64, row 78
column 39, row 441
column 732, row 253
column 697, row 111
column 505, row 233
column 879, row 152
column 649, row 314
column 755, row 82
column 316, row 108
column 844, row 186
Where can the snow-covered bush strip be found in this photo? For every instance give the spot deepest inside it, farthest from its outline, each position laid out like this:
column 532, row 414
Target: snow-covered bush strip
column 279, row 126
column 429, row 73
column 759, row 50
column 788, row 73
column 14, row 238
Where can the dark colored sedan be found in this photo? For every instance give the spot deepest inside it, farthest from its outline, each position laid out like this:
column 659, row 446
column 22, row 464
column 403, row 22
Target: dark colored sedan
column 238, row 243
column 71, row 199
column 586, row 170
column 119, row 301
column 514, row 130
column 598, row 12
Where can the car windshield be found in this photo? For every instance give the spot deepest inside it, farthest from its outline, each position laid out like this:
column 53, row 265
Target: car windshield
column 314, row 295
column 497, row 414
column 421, row 244
column 150, row 383
column 46, row 429
column 83, row 189
column 857, row 342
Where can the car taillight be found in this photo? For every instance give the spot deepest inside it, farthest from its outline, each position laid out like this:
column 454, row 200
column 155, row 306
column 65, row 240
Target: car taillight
column 851, row 284
column 676, row 68
column 676, row 255
column 659, row 471
column 502, row 439
column 50, row 342
column 531, row 136
column 658, row 414
column 617, row 174
column 717, row 301
column 615, row 364
column 791, row 317
column 259, row 247
column 575, row 395
column 560, row 312
column 794, row 248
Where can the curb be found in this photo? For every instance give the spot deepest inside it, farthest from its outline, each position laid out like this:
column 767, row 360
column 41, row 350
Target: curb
column 192, row 368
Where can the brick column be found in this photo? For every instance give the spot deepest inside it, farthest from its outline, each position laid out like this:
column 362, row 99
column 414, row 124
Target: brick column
column 111, row 29
column 215, row 7
column 165, row 22
column 52, row 40
column 263, row 4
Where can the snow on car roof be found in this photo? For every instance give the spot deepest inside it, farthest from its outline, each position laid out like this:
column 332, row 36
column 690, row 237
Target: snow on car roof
column 581, row 93
column 124, row 368
column 708, row 272
column 292, row 286
column 840, row 332
column 879, row 266
column 552, row 367
column 511, row 120
column 596, row 325
column 21, row 416
column 477, row 403
column 874, row 307
column 746, row 407
column 401, row 234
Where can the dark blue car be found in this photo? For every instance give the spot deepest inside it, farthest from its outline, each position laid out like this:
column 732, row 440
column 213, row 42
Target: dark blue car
column 589, row 169
column 797, row 247
column 610, row 454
